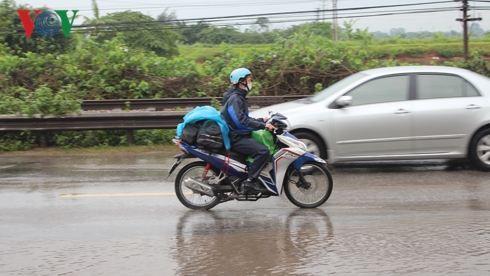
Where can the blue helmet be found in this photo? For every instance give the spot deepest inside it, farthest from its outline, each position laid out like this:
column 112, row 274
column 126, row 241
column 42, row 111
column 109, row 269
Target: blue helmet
column 239, row 73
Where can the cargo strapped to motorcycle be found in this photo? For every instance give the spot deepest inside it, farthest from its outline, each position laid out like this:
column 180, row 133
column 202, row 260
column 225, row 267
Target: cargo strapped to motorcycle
column 209, row 136
column 204, row 127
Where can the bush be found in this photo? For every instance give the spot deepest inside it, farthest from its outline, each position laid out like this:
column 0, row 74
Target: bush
column 302, row 64
column 450, row 52
column 42, row 102
column 16, row 140
column 86, row 139
column 154, row 137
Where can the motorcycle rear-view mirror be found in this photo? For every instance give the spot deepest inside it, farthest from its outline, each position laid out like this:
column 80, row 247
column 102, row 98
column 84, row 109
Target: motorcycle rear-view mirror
column 278, row 116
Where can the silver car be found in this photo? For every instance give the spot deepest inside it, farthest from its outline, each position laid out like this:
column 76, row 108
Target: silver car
column 396, row 113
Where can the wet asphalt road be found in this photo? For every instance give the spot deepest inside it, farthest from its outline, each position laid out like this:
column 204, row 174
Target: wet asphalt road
column 103, row 215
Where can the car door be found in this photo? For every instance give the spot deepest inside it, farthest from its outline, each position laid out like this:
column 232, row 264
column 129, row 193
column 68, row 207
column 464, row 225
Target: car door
column 444, row 113
column 377, row 122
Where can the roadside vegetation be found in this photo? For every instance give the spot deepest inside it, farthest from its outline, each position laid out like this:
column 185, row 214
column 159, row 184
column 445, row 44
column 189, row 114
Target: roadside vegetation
column 170, row 59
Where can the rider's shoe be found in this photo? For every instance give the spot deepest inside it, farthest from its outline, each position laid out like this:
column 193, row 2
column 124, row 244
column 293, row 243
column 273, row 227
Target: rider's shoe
column 253, row 187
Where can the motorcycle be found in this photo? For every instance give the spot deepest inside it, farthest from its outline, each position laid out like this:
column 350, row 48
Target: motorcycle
column 217, row 177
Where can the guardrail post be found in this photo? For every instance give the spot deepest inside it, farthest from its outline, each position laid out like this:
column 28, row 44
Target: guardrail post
column 130, row 136
column 43, row 139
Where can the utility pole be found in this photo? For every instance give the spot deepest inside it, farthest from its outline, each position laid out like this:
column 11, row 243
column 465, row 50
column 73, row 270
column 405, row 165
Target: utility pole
column 465, row 20
column 335, row 21
column 323, row 10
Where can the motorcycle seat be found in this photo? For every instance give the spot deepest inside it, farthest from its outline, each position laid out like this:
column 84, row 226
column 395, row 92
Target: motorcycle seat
column 234, row 155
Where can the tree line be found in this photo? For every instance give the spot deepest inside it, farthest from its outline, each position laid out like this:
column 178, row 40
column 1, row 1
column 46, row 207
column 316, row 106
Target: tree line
column 109, row 60
column 163, row 34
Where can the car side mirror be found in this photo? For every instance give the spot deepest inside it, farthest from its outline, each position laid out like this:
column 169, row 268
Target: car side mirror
column 344, row 101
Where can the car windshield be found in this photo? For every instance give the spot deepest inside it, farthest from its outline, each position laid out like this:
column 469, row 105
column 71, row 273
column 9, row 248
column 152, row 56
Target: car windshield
column 332, row 89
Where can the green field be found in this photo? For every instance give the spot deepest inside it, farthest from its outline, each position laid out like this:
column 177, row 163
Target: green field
column 201, row 52
column 447, row 48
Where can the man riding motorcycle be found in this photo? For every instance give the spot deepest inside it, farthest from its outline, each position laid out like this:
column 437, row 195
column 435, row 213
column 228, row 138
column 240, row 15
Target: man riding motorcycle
column 235, row 113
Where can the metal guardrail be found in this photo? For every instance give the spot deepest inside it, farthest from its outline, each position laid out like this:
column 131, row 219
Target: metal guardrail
column 167, row 103
column 94, row 121
column 122, row 120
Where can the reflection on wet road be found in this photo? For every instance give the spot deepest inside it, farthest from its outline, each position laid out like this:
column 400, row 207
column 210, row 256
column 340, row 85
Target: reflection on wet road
column 103, row 215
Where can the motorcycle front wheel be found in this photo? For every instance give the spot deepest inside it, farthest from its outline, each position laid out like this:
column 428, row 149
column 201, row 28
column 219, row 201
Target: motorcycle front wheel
column 192, row 199
column 315, row 191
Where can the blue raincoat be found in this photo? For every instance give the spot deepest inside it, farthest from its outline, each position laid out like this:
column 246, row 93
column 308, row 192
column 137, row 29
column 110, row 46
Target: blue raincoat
column 206, row 113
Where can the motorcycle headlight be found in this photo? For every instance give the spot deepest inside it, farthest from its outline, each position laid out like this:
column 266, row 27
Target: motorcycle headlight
column 282, row 124
column 302, row 145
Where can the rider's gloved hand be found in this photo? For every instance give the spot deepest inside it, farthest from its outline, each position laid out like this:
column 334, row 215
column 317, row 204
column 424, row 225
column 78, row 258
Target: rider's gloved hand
column 270, row 127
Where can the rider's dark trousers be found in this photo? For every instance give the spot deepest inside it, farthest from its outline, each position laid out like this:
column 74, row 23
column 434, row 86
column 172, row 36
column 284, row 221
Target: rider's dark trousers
column 259, row 152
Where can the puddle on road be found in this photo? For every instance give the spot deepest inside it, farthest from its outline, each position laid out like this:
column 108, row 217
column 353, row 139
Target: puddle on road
column 7, row 166
column 307, row 242
column 231, row 243
column 256, row 241
column 68, row 170
column 378, row 221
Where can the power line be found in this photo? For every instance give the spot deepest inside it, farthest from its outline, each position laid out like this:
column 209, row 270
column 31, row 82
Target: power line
column 302, row 16
column 281, row 3
column 236, row 21
column 147, row 25
column 296, row 12
column 199, row 6
column 235, row 17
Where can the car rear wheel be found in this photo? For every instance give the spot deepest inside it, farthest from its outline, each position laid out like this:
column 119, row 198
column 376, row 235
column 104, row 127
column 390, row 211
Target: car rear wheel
column 313, row 144
column 480, row 150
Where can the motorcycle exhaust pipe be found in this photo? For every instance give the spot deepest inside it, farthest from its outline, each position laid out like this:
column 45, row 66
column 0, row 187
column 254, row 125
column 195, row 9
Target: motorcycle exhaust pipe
column 199, row 187
column 246, row 197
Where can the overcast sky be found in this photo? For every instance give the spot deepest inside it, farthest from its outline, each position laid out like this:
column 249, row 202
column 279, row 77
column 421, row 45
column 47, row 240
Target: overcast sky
column 192, row 9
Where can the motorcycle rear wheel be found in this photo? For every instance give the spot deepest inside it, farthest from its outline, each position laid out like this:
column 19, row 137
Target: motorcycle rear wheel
column 190, row 198
column 319, row 185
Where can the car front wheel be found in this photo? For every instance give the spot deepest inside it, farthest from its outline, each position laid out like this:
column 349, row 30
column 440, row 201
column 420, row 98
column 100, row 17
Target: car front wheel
column 313, row 144
column 480, row 150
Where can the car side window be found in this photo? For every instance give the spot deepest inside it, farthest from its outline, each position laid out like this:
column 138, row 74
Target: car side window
column 443, row 86
column 470, row 90
column 381, row 90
